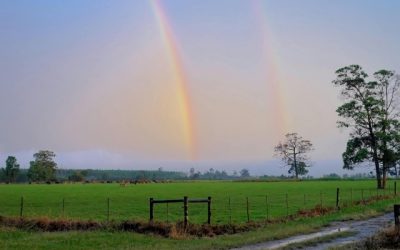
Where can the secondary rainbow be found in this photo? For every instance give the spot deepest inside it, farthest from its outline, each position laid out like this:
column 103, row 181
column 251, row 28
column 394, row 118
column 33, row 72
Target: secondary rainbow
column 272, row 75
column 179, row 75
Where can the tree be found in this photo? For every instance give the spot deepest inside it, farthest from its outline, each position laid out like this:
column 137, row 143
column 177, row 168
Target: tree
column 293, row 152
column 301, row 168
column 244, row 173
column 43, row 168
column 77, row 176
column 11, row 170
column 192, row 172
column 371, row 110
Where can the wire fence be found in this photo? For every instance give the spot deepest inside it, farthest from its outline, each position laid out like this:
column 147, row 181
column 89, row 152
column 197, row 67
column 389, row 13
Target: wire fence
column 230, row 209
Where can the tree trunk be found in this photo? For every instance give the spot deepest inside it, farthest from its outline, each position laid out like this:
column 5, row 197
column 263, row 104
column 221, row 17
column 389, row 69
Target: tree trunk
column 295, row 165
column 385, row 157
column 375, row 156
column 384, row 173
column 378, row 175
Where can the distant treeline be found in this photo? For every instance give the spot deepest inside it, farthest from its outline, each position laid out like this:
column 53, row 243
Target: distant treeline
column 77, row 175
column 103, row 175
column 43, row 169
column 116, row 175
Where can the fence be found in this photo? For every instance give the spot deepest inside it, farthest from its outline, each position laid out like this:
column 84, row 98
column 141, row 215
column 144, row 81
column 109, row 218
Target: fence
column 229, row 209
column 185, row 202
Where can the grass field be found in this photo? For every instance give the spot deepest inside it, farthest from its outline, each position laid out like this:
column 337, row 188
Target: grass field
column 89, row 201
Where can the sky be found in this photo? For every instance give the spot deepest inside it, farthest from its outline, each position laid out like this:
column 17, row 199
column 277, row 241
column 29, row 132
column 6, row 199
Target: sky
column 179, row 84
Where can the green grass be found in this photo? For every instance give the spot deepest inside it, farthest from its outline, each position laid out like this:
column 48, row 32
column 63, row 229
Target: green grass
column 88, row 201
column 17, row 239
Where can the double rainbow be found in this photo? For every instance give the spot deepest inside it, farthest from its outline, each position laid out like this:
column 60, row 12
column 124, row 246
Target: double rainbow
column 179, row 76
column 272, row 75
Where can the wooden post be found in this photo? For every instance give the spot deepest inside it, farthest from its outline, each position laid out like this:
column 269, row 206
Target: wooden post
column 108, row 209
column 287, row 205
column 151, row 209
column 337, row 199
column 351, row 197
column 63, row 207
column 267, row 206
column 185, row 211
column 230, row 210
column 167, row 212
column 247, row 209
column 396, row 210
column 362, row 195
column 21, row 206
column 209, row 210
column 320, row 199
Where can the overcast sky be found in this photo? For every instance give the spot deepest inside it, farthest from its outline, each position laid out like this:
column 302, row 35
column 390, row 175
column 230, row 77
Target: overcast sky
column 93, row 80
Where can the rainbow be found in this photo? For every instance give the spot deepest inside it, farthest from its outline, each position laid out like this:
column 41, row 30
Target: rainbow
column 272, row 75
column 180, row 79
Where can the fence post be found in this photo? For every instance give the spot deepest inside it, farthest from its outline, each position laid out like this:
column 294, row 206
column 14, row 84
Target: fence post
column 63, row 207
column 247, row 209
column 108, row 209
column 185, row 211
column 320, row 198
column 396, row 211
column 230, row 210
column 266, row 204
column 21, row 206
column 362, row 196
column 287, row 205
column 167, row 212
column 209, row 210
column 337, row 199
column 151, row 209
column 351, row 197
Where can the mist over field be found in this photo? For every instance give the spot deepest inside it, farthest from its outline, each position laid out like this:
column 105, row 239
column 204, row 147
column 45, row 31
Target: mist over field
column 105, row 160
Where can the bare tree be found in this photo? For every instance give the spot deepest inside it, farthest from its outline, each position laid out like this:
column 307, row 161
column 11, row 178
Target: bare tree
column 293, row 152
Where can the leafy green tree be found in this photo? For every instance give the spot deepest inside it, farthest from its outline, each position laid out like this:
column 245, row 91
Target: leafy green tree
column 11, row 170
column 43, row 168
column 301, row 168
column 244, row 173
column 371, row 110
column 77, row 176
column 294, row 153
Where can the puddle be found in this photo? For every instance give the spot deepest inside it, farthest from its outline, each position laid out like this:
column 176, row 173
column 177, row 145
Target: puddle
column 363, row 229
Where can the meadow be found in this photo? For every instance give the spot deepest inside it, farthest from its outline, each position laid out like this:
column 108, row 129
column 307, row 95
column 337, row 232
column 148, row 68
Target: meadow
column 267, row 200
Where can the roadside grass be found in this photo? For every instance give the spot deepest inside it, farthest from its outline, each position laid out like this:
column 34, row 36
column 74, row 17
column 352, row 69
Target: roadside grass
column 388, row 238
